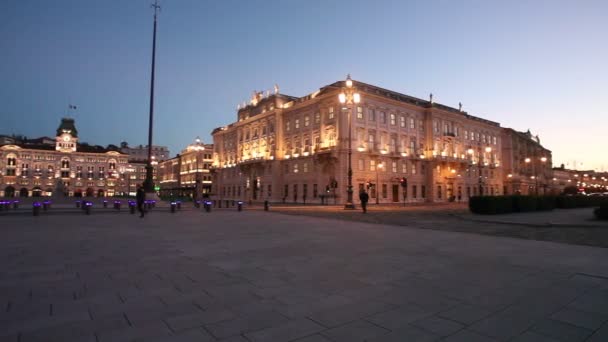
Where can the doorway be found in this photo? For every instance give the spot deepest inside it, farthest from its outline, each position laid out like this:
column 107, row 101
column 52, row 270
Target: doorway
column 395, row 192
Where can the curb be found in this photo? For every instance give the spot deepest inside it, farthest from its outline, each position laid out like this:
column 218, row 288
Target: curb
column 534, row 225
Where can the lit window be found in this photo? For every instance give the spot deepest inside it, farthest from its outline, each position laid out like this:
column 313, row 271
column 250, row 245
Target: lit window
column 331, row 113
column 287, row 125
column 402, row 121
column 393, row 119
column 361, row 165
column 372, row 165
column 317, row 117
column 412, row 123
column 306, row 121
column 359, row 112
column 394, row 167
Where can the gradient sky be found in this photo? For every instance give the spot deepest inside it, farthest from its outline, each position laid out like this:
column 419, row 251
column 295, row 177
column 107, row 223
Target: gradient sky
column 538, row 65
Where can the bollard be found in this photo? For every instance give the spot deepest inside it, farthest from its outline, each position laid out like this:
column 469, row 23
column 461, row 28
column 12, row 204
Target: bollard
column 266, row 205
column 87, row 206
column 197, row 204
column 240, row 205
column 173, row 205
column 179, row 205
column 219, row 203
column 77, row 204
column 152, row 203
column 207, row 206
column 132, row 207
column 117, row 205
column 36, row 208
column 105, row 203
column 46, row 205
column 1, row 205
column 15, row 205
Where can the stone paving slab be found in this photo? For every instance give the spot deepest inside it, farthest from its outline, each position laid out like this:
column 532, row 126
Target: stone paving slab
column 261, row 276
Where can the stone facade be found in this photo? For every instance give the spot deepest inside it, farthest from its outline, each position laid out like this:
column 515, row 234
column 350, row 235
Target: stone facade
column 295, row 149
column 527, row 164
column 188, row 174
column 68, row 167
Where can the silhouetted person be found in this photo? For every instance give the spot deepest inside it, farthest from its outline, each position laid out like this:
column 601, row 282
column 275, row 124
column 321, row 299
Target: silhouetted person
column 141, row 198
column 363, row 197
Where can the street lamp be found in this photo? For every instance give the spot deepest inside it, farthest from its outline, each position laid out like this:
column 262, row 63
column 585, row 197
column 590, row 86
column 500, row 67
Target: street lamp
column 348, row 97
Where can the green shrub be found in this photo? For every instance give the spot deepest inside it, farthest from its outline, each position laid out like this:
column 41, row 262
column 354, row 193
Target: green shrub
column 489, row 205
column 602, row 212
column 524, row 203
column 567, row 202
column 545, row 202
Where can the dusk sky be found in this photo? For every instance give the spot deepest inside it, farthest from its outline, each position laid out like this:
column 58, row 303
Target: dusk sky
column 538, row 65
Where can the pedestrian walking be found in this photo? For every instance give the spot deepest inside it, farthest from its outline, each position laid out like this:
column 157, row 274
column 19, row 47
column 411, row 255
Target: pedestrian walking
column 141, row 198
column 363, row 197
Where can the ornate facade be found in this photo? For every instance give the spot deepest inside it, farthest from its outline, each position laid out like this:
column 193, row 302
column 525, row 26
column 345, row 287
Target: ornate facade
column 67, row 166
column 295, row 149
column 187, row 174
column 527, row 164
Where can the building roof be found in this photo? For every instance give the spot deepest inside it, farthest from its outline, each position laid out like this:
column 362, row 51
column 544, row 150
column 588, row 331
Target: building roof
column 67, row 125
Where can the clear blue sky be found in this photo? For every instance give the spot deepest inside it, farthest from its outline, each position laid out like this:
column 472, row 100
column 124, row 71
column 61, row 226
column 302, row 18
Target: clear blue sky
column 538, row 65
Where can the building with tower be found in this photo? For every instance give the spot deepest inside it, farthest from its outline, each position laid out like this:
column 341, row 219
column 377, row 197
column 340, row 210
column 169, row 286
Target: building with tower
column 39, row 168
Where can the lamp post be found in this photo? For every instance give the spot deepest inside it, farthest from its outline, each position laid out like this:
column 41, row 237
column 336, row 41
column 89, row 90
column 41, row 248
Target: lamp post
column 379, row 166
column 348, row 97
column 534, row 176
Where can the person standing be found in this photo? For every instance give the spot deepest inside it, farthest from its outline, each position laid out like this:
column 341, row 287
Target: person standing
column 141, row 198
column 363, row 197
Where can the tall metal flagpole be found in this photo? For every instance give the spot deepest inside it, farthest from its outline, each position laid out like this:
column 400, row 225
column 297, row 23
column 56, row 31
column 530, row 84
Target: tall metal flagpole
column 149, row 182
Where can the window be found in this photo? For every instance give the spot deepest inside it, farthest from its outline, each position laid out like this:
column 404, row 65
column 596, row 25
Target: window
column 402, row 121
column 494, row 140
column 456, row 131
column 370, row 141
column 306, row 121
column 65, row 164
column 393, row 119
column 384, row 191
column 317, row 117
column 315, row 190
column 10, row 172
column 295, row 168
column 383, row 117
column 359, row 112
column 404, row 167
column 305, row 167
column 372, row 165
column 297, row 124
column 371, row 114
column 483, row 138
column 413, row 168
column 394, row 167
column 65, row 174
column 287, row 125
column 361, row 164
column 435, row 126
column 412, row 123
column 393, row 144
column 414, row 191
column 466, row 135
column 439, row 192
column 331, row 113
column 423, row 191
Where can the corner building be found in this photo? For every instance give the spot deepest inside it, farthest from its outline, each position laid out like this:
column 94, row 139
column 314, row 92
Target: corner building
column 295, row 149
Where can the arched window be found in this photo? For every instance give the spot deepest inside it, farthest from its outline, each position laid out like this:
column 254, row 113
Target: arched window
column 112, row 164
column 65, row 164
column 11, row 160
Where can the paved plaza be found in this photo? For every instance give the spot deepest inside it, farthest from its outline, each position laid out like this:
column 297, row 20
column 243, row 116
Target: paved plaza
column 267, row 276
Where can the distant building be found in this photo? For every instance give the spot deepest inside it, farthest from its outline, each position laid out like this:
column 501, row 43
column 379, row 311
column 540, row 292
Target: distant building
column 140, row 152
column 38, row 168
column 527, row 164
column 187, row 174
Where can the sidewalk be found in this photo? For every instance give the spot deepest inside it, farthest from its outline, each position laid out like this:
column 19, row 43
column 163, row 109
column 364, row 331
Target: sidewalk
column 575, row 218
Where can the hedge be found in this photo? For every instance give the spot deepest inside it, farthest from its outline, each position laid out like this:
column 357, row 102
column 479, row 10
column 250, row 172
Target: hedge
column 602, row 212
column 490, row 205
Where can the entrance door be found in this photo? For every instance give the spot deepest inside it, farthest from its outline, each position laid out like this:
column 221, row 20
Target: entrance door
column 395, row 192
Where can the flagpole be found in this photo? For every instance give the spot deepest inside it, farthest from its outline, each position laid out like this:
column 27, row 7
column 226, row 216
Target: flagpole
column 149, row 182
